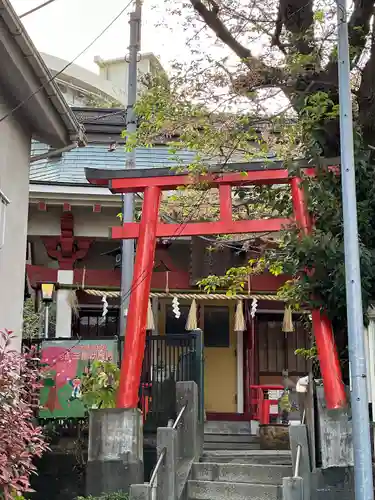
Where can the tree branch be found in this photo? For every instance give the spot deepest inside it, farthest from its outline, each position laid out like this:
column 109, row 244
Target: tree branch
column 366, row 96
column 298, row 20
column 359, row 27
column 261, row 73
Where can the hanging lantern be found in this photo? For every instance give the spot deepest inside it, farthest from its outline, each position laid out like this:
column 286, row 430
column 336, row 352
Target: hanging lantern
column 239, row 319
column 192, row 323
column 288, row 320
column 150, row 317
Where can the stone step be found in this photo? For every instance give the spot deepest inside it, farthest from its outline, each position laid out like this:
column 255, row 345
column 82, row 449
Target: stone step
column 230, row 438
column 269, row 457
column 223, row 427
column 231, row 446
column 216, row 490
column 241, row 473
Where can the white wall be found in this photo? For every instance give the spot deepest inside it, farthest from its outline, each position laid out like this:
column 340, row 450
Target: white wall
column 15, row 143
column 84, row 79
column 86, row 222
column 117, row 72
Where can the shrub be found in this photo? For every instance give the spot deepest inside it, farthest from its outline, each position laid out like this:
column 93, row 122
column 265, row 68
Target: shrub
column 20, row 439
column 100, row 384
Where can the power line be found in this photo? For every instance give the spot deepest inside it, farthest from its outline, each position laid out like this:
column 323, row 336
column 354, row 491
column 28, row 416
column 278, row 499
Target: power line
column 36, row 8
column 175, row 235
column 140, row 279
column 7, row 115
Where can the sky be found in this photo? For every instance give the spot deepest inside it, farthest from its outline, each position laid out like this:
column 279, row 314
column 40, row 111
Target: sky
column 65, row 27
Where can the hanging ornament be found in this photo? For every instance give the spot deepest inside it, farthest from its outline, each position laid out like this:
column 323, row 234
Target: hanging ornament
column 191, row 323
column 176, row 308
column 105, row 306
column 254, row 306
column 288, row 320
column 239, row 320
column 150, row 317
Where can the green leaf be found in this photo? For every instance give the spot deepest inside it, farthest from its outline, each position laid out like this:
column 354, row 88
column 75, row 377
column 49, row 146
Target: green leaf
column 319, row 16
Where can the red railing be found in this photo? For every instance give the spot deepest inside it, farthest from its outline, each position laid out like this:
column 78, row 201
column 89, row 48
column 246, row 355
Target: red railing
column 145, row 399
column 260, row 404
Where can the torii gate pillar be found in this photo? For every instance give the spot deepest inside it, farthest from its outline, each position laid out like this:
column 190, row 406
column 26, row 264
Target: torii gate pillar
column 323, row 333
column 152, row 182
column 135, row 339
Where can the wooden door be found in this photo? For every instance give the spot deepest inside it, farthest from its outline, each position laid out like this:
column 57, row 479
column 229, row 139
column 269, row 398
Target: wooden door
column 220, row 369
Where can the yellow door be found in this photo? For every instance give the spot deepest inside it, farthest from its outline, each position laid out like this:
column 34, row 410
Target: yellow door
column 220, row 371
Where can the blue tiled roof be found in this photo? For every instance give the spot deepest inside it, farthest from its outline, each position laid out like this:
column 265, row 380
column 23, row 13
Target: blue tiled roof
column 69, row 168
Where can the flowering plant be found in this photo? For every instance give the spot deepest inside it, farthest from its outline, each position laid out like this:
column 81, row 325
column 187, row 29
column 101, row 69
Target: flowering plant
column 20, row 439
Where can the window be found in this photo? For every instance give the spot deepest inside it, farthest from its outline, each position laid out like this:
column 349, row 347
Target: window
column 4, row 202
column 216, row 326
column 91, row 323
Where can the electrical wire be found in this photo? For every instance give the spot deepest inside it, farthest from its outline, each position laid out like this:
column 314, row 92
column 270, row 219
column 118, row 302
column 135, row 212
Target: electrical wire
column 139, row 280
column 176, row 234
column 31, row 11
column 22, row 103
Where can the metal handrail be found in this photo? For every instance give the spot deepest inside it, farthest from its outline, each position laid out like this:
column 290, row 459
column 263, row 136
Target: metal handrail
column 164, row 450
column 179, row 417
column 299, row 449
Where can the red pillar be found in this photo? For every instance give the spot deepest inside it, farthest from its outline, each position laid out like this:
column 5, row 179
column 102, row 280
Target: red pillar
column 135, row 337
column 225, row 197
column 329, row 362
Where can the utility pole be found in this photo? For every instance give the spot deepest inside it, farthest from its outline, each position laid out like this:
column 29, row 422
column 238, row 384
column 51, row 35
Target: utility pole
column 356, row 341
column 127, row 246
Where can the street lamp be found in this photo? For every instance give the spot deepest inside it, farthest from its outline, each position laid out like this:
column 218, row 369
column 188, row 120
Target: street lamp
column 47, row 290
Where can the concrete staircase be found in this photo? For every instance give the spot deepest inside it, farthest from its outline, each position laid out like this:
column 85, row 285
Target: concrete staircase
column 233, row 466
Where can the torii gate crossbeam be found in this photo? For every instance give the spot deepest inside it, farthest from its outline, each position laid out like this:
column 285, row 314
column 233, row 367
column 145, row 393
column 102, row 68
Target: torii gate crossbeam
column 152, row 182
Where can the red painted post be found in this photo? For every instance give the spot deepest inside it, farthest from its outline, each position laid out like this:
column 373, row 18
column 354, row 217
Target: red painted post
column 329, row 362
column 225, row 197
column 266, row 407
column 135, row 337
column 299, row 206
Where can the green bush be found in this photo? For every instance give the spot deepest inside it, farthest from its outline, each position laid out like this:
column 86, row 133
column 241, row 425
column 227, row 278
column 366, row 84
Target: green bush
column 108, row 496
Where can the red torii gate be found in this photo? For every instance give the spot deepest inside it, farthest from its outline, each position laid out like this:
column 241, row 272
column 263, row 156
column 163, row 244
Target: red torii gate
column 152, row 182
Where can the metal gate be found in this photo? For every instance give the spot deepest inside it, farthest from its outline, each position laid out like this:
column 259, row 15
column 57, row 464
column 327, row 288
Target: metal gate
column 169, row 359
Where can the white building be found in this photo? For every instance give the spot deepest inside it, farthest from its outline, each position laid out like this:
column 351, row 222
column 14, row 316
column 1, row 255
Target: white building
column 82, row 87
column 45, row 117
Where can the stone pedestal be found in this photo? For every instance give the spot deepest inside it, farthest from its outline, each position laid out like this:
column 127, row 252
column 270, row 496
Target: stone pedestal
column 334, row 433
column 115, row 454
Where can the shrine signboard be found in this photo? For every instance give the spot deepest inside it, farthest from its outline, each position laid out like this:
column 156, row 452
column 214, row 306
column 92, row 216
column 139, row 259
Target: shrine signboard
column 64, row 364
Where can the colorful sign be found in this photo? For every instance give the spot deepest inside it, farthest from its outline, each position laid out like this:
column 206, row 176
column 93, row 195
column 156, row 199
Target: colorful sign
column 64, row 363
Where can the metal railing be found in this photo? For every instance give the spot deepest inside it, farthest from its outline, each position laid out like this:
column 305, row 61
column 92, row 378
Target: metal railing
column 261, row 402
column 179, row 445
column 169, row 359
column 164, row 450
column 299, row 451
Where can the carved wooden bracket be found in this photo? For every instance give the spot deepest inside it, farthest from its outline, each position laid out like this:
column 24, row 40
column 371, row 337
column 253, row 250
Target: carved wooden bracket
column 67, row 249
